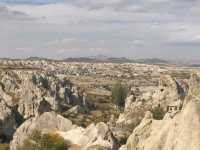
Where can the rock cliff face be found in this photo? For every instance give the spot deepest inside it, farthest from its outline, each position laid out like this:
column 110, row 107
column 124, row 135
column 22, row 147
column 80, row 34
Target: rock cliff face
column 8, row 122
column 194, row 86
column 94, row 136
column 28, row 89
column 48, row 122
column 28, row 94
column 29, row 101
column 177, row 133
column 167, row 93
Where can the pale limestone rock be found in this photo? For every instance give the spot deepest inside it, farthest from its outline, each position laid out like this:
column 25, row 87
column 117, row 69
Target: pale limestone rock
column 168, row 92
column 91, row 137
column 194, row 84
column 48, row 122
column 73, row 136
column 129, row 101
column 62, row 93
column 73, row 110
column 8, row 123
column 123, row 147
column 180, row 133
column 6, row 97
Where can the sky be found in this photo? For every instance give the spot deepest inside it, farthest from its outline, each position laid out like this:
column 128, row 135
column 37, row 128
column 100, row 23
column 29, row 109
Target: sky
column 168, row 29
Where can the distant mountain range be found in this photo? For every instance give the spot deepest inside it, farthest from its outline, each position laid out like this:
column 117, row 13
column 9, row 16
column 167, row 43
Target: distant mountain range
column 116, row 60
column 105, row 59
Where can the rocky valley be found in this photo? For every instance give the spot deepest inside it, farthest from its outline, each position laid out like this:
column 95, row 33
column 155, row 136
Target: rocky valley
column 98, row 106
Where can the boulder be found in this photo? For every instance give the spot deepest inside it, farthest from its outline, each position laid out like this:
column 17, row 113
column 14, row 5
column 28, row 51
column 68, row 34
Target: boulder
column 48, row 122
column 93, row 137
column 181, row 132
column 194, row 86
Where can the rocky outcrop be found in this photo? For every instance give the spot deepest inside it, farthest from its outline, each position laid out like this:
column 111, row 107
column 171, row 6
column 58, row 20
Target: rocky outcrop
column 29, row 94
column 8, row 122
column 48, row 122
column 28, row 90
column 194, row 86
column 181, row 132
column 167, row 93
column 91, row 138
column 177, row 133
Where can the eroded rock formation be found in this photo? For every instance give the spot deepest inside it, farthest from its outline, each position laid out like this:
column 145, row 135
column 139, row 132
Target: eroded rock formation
column 177, row 133
column 48, row 122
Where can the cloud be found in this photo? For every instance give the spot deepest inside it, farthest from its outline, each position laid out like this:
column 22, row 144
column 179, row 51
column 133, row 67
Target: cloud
column 185, row 35
column 31, row 2
column 63, row 13
column 138, row 28
column 74, row 45
column 6, row 14
column 112, row 11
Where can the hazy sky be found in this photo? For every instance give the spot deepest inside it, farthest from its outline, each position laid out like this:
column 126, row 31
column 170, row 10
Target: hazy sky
column 167, row 29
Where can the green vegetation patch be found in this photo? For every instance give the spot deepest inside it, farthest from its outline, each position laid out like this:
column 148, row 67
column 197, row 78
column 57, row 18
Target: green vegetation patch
column 119, row 94
column 39, row 141
column 4, row 147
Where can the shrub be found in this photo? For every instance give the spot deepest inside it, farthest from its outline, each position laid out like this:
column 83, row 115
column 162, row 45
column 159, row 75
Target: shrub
column 158, row 113
column 38, row 141
column 119, row 94
column 45, row 83
column 34, row 79
column 84, row 110
column 4, row 147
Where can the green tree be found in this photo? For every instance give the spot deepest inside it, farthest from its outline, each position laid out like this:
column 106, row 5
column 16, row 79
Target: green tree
column 39, row 141
column 45, row 82
column 34, row 79
column 158, row 113
column 119, row 94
